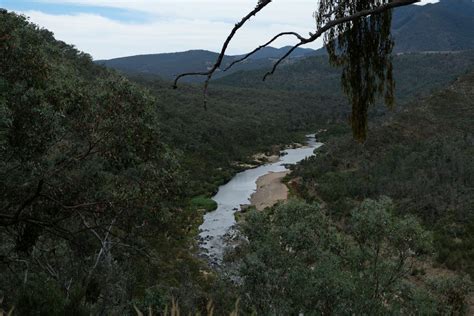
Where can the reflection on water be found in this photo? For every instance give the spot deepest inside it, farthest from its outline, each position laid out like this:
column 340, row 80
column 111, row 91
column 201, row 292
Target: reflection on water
column 238, row 191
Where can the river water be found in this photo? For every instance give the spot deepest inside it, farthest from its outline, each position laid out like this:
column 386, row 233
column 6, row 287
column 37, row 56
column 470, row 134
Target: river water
column 237, row 191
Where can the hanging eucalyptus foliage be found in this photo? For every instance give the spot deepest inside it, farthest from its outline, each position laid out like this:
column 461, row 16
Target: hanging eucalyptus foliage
column 362, row 48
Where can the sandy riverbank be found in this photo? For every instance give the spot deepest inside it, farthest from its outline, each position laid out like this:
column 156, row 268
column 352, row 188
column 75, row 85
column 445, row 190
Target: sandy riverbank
column 270, row 190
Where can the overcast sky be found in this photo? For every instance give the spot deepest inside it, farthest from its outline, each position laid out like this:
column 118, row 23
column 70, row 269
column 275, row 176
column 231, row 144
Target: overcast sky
column 114, row 28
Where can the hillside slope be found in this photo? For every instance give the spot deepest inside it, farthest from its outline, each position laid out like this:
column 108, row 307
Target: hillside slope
column 83, row 165
column 237, row 123
column 444, row 26
column 421, row 158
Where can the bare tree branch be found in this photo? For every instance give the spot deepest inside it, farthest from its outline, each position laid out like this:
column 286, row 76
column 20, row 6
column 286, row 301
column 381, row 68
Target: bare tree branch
column 261, row 4
column 282, row 58
column 70, row 207
column 263, row 46
column 105, row 243
column 30, row 200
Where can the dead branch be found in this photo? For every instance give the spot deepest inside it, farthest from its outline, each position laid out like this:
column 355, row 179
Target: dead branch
column 261, row 4
column 30, row 199
column 263, row 46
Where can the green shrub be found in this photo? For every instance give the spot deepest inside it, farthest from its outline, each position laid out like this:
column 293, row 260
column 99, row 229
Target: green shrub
column 203, row 202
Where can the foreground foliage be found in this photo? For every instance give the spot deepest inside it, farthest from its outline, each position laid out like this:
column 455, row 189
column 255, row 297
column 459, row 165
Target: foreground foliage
column 91, row 199
column 298, row 260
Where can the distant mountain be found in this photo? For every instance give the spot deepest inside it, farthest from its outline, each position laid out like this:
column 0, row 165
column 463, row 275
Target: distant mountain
column 444, row 26
column 169, row 65
column 164, row 65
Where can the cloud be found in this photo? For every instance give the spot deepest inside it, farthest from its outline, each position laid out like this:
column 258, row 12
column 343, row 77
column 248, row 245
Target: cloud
column 287, row 10
column 173, row 25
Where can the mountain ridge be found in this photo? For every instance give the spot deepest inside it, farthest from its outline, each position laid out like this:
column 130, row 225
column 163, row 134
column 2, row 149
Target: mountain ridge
column 442, row 26
column 169, row 65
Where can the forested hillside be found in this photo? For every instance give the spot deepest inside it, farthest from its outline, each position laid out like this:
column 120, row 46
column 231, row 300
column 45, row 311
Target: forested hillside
column 93, row 211
column 444, row 26
column 385, row 227
column 421, row 158
column 416, row 75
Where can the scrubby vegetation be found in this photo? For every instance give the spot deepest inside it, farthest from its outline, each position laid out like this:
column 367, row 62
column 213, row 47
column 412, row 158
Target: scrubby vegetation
column 298, row 260
column 202, row 202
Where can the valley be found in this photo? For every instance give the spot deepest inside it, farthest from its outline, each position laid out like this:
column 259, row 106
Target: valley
column 120, row 195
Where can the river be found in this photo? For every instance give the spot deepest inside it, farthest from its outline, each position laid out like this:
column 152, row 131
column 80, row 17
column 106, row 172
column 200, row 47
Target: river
column 217, row 224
